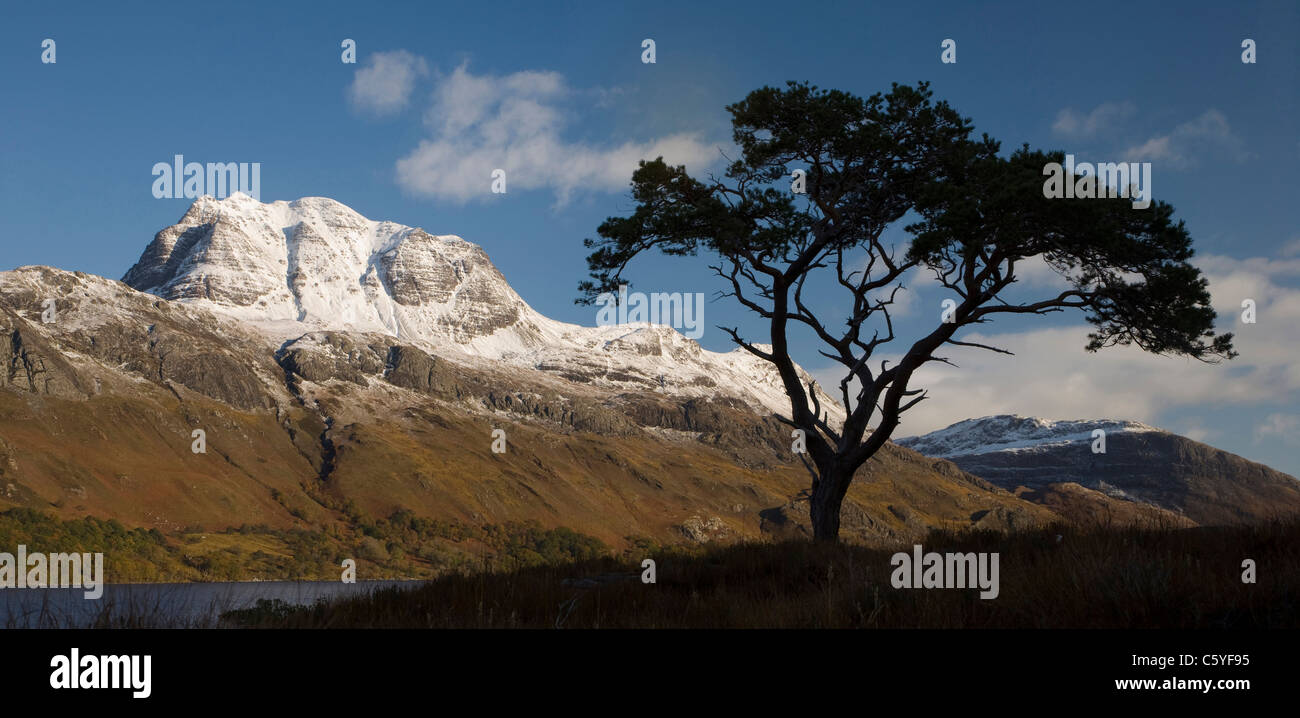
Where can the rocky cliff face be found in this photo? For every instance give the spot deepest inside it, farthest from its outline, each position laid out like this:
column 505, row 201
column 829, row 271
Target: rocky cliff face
column 1141, row 463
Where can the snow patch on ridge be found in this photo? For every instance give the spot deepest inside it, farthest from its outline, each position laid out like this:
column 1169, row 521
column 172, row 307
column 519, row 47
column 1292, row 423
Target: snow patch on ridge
column 1012, row 433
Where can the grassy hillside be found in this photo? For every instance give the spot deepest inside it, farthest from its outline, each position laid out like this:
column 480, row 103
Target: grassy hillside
column 129, row 458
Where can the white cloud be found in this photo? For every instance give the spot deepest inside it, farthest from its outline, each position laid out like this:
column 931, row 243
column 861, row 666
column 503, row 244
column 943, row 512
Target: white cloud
column 1284, row 426
column 905, row 301
column 1196, row 432
column 515, row 122
column 1072, row 123
column 1182, row 146
column 1259, row 278
column 1036, row 272
column 383, row 84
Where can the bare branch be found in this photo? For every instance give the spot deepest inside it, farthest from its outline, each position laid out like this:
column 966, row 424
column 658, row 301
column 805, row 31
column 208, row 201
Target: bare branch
column 979, row 346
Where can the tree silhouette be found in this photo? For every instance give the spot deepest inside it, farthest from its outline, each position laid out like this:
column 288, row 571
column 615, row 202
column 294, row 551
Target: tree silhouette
column 868, row 163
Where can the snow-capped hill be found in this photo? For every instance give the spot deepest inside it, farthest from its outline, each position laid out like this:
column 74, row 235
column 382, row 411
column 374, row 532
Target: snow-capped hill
column 290, row 268
column 645, row 356
column 1010, row 432
column 1137, row 463
column 316, row 262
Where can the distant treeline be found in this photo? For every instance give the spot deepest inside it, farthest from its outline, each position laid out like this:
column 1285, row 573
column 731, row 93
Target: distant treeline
column 401, row 545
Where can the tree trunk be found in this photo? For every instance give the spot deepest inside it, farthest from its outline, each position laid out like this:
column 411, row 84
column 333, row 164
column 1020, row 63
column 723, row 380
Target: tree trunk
column 824, row 505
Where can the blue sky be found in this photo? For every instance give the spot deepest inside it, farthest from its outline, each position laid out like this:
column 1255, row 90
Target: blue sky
column 138, row 83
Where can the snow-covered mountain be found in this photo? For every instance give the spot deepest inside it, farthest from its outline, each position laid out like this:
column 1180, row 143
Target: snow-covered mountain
column 329, row 358
column 107, row 386
column 1140, row 463
column 1013, row 433
column 290, row 268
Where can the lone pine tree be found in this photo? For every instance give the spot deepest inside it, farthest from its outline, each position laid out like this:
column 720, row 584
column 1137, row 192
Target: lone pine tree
column 978, row 217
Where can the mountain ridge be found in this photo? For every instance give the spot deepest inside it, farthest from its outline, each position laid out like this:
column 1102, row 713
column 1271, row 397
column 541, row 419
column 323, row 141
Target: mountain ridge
column 1140, row 463
column 292, row 267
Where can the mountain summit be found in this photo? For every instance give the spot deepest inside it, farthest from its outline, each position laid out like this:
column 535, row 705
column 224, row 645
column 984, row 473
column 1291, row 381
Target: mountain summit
column 317, row 262
column 1012, row 433
column 313, row 264
column 1140, row 463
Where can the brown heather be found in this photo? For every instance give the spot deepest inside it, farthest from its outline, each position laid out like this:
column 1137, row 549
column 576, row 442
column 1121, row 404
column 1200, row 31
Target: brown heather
column 1098, row 578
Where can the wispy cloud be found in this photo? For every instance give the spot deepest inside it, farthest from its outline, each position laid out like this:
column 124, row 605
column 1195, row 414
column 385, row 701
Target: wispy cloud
column 1195, row 431
column 1283, row 426
column 516, row 122
column 1077, row 125
column 384, row 83
column 1186, row 143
